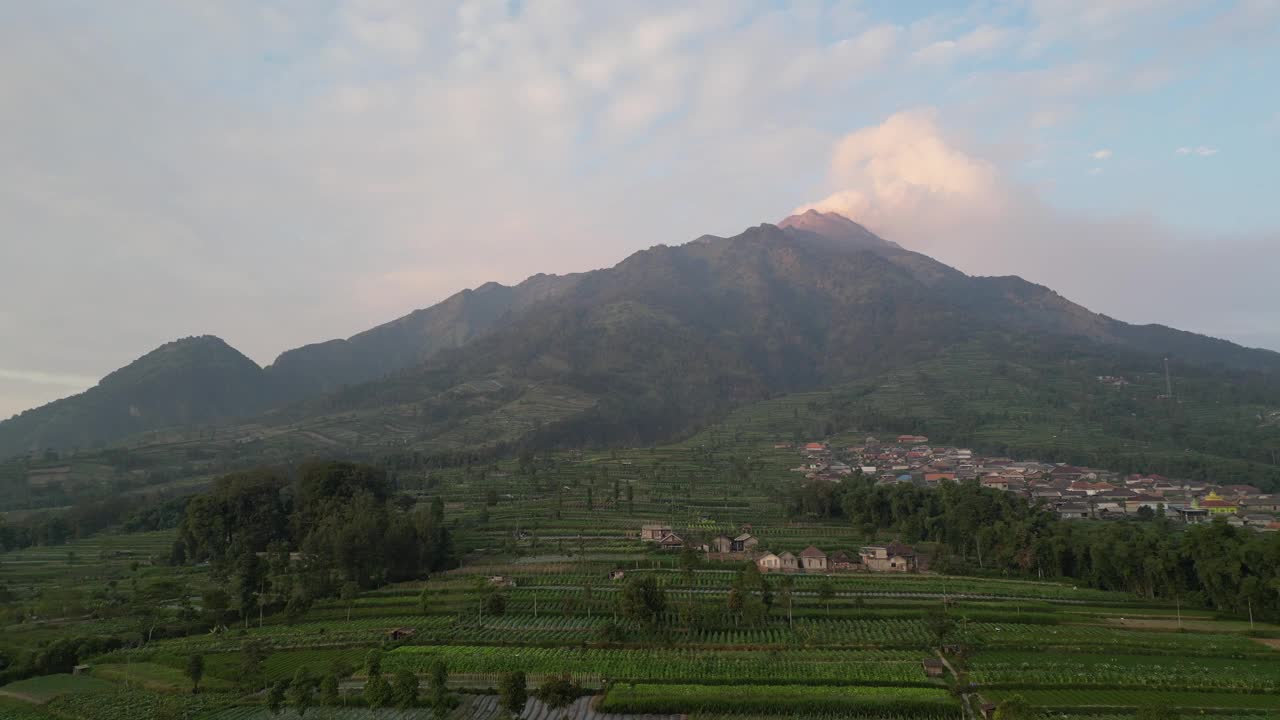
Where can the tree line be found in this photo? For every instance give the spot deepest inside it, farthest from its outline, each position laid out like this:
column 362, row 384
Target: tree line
column 976, row 529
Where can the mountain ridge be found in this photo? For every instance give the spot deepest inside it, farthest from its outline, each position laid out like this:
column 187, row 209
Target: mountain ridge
column 687, row 331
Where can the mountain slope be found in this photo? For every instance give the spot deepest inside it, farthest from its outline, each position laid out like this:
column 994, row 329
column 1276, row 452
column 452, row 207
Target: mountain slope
column 324, row 367
column 675, row 336
column 663, row 342
column 203, row 380
column 189, row 381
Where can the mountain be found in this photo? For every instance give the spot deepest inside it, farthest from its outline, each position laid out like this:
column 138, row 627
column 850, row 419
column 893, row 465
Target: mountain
column 835, row 231
column 673, row 337
column 190, row 381
column 324, row 367
column 203, row 380
column 669, row 339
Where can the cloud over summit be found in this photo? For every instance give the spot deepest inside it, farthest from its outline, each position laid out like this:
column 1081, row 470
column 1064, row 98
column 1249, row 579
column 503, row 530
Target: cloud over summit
column 910, row 181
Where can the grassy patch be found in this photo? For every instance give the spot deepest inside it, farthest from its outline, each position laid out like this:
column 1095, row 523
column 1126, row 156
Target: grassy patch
column 47, row 687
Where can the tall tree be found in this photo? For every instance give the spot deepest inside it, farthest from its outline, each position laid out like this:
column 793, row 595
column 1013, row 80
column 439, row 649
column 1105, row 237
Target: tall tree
column 643, row 599
column 438, row 686
column 275, row 696
column 194, row 671
column 300, row 690
column 405, row 689
column 350, row 591
column 512, row 693
column 252, row 674
column 330, row 694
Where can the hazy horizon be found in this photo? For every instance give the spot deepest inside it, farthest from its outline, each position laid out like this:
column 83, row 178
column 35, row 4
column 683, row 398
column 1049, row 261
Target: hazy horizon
column 287, row 173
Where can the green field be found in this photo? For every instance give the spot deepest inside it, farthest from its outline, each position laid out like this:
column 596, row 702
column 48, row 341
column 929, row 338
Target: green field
column 41, row 690
column 850, row 701
column 847, row 644
column 1065, row 700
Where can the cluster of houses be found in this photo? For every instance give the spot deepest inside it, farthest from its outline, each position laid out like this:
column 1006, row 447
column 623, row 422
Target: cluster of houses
column 1072, row 491
column 894, row 557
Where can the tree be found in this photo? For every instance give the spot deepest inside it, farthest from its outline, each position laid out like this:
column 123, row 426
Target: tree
column 826, row 591
column 350, row 591
column 215, row 602
column 195, row 671
column 559, row 693
column 939, row 624
column 749, row 595
column 250, row 575
column 1014, row 708
column 373, row 663
column 438, row 685
column 377, row 692
column 404, row 690
column 689, row 560
column 300, row 690
column 252, row 675
column 275, row 697
column 424, row 599
column 513, row 693
column 496, row 604
column 298, row 605
column 787, row 593
column 329, row 693
column 643, row 599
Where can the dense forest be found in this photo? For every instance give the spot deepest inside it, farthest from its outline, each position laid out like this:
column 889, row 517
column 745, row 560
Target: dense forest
column 981, row 530
column 336, row 522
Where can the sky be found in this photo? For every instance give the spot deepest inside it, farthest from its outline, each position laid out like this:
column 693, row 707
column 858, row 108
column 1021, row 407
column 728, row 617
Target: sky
column 284, row 172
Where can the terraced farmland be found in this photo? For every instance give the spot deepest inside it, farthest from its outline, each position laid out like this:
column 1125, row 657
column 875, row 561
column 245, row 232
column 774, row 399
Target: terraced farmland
column 828, row 646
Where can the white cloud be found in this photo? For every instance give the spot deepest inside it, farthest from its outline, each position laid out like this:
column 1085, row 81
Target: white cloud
column 903, row 167
column 983, row 40
column 290, row 174
column 1200, row 151
column 1104, row 154
column 912, row 182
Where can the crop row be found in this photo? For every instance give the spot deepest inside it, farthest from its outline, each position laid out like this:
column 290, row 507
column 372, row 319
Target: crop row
column 137, row 703
column 673, row 665
column 850, row 701
column 1129, row 698
column 861, row 583
column 1168, row 671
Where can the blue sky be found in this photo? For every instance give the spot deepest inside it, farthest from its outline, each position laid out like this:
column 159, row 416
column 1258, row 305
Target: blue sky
column 284, row 172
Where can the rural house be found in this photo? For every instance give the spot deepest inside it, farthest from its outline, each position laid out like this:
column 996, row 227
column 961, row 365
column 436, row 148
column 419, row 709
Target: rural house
column 652, row 532
column 813, row 560
column 769, row 562
column 894, row 557
column 790, row 563
column 743, row 543
column 841, row 560
column 672, row 541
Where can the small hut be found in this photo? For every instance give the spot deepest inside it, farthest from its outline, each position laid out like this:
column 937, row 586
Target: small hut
column 401, row 633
